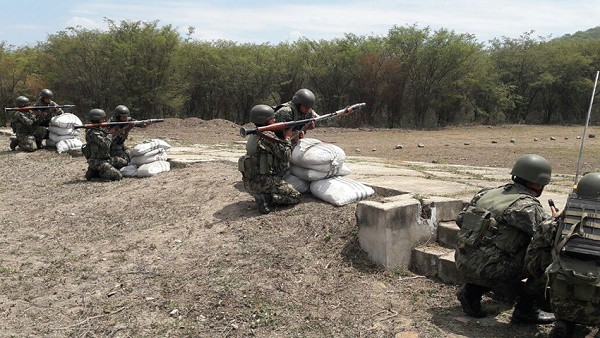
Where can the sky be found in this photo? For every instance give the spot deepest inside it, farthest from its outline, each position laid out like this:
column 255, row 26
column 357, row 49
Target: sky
column 27, row 22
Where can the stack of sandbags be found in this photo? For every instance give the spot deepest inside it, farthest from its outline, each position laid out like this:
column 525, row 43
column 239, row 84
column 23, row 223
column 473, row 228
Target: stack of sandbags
column 319, row 166
column 62, row 134
column 148, row 159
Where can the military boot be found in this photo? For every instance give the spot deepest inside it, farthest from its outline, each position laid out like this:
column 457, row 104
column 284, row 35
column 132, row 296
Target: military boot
column 262, row 200
column 90, row 173
column 470, row 300
column 526, row 313
column 13, row 144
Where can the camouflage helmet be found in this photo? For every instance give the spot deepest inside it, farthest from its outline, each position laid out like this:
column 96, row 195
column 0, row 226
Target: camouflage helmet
column 21, row 101
column 589, row 186
column 261, row 113
column 46, row 94
column 532, row 168
column 96, row 114
column 121, row 110
column 304, row 97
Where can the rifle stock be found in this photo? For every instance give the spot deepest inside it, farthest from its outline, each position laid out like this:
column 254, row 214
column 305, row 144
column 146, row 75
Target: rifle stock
column 38, row 107
column 112, row 124
column 285, row 125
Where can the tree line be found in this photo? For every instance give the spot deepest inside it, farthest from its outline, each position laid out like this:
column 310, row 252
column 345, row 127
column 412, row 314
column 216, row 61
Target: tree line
column 413, row 77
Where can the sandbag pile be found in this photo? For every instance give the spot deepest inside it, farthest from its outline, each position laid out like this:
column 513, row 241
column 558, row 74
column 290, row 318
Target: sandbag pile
column 317, row 167
column 148, row 159
column 62, row 134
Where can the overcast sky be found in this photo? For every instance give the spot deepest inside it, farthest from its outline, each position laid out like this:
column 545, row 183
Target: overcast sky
column 25, row 22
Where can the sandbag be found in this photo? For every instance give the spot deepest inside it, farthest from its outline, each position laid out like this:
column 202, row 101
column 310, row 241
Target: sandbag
column 148, row 146
column 151, row 169
column 65, row 145
column 315, row 175
column 309, row 152
column 149, row 157
column 129, row 171
column 340, row 190
column 57, row 138
column 63, row 131
column 65, row 120
column 299, row 184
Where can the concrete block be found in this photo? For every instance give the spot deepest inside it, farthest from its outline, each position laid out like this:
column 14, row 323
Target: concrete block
column 446, row 234
column 425, row 260
column 389, row 230
column 447, row 271
column 446, row 209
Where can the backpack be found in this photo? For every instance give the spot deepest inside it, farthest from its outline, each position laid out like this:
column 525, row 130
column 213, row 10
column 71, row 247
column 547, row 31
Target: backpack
column 574, row 275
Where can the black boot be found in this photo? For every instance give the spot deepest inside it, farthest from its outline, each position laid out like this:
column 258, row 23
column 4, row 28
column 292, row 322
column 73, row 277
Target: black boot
column 90, row 173
column 563, row 329
column 262, row 202
column 13, row 144
column 526, row 313
column 469, row 297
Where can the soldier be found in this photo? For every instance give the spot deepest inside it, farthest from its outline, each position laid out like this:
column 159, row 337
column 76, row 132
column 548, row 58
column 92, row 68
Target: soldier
column 266, row 162
column 118, row 148
column 495, row 231
column 46, row 115
column 29, row 134
column 299, row 108
column 97, row 150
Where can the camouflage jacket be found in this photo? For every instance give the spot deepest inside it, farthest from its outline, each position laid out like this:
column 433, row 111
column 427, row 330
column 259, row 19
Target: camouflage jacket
column 270, row 154
column 539, row 251
column 44, row 116
column 98, row 142
column 289, row 112
column 24, row 122
column 501, row 258
column 121, row 132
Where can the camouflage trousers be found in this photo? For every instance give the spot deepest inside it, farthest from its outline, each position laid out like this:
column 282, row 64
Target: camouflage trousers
column 489, row 266
column 104, row 169
column 28, row 142
column 281, row 191
column 120, row 153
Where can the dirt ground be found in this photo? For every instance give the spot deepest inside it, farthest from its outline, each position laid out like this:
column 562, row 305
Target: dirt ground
column 186, row 253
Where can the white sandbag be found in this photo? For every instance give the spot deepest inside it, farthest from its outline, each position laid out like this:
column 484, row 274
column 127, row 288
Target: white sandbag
column 63, row 131
column 65, row 120
column 149, row 145
column 301, row 185
column 309, row 152
column 58, row 138
column 129, row 171
column 151, row 169
column 152, row 156
column 315, row 175
column 67, row 144
column 340, row 190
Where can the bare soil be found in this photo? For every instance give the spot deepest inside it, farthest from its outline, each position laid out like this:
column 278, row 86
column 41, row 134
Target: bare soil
column 186, row 253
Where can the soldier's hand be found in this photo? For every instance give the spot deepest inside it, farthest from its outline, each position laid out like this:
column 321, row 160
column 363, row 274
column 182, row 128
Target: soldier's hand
column 310, row 125
column 287, row 133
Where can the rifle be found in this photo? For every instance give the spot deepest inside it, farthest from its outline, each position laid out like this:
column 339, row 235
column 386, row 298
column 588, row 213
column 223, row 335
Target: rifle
column 112, row 124
column 38, row 107
column 290, row 124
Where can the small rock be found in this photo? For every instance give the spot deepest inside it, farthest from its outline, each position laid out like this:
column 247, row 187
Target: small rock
column 174, row 312
column 578, row 137
column 512, row 140
column 178, row 241
column 399, row 146
column 592, row 135
column 373, row 149
column 566, row 138
column 435, row 161
column 535, row 139
column 357, row 150
column 446, row 145
column 466, row 143
column 235, row 326
column 112, row 293
column 494, row 141
column 552, row 138
column 420, row 145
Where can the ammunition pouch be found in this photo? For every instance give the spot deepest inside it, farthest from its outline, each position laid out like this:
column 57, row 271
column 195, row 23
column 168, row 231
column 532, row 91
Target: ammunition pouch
column 252, row 166
column 477, row 226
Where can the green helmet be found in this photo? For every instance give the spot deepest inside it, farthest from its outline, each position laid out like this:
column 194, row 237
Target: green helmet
column 96, row 114
column 121, row 110
column 589, row 186
column 304, row 97
column 21, row 101
column 261, row 113
column 46, row 94
column 532, row 168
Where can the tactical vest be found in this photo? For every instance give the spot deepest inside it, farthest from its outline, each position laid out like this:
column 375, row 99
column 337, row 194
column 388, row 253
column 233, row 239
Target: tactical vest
column 574, row 275
column 256, row 161
column 480, row 221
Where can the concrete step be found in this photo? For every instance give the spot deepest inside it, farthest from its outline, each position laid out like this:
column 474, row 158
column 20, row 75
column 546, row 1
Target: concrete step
column 435, row 261
column 446, row 234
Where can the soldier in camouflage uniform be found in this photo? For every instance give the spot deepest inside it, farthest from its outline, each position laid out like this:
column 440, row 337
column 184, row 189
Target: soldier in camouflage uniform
column 299, row 108
column 25, row 125
column 97, row 150
column 121, row 133
column 266, row 162
column 46, row 115
column 495, row 231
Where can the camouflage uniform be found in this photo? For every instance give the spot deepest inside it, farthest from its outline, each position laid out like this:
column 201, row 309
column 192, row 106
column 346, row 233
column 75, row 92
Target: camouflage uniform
column 117, row 147
column 268, row 179
column 288, row 111
column 44, row 116
column 97, row 153
column 28, row 133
